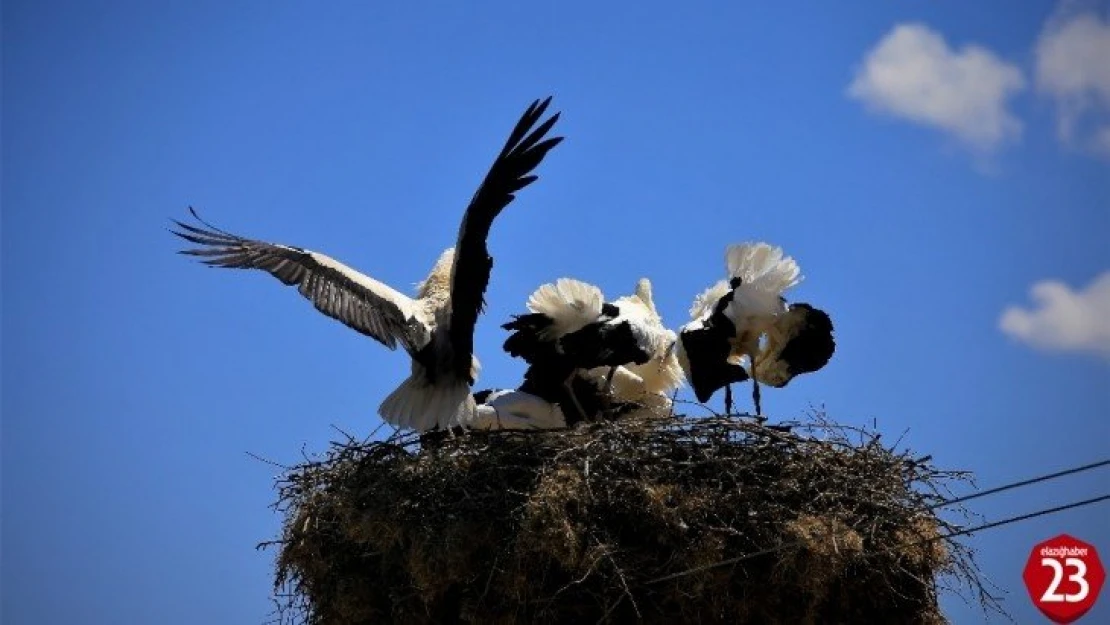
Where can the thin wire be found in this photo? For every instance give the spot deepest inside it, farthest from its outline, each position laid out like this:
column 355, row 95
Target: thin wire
column 1005, row 487
column 1022, row 517
column 985, row 526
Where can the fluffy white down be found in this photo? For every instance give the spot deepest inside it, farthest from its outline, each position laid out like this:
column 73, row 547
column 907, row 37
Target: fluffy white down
column 570, row 303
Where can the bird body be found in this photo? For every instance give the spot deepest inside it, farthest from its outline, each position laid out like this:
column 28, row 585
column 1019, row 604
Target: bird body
column 651, row 382
column 628, row 332
column 571, row 332
column 436, row 328
column 705, row 347
column 729, row 318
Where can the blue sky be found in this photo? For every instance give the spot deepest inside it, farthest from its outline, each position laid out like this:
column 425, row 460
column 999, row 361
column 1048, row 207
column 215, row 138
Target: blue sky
column 922, row 205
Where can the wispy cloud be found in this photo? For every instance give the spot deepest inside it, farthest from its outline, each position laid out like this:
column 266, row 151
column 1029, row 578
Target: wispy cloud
column 913, row 74
column 1063, row 319
column 1073, row 68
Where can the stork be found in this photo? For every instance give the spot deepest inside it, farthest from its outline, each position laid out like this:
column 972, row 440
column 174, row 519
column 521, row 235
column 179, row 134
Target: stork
column 572, row 330
column 436, row 328
column 729, row 318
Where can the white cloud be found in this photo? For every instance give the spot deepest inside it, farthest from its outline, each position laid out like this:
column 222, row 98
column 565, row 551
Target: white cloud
column 913, row 74
column 1064, row 319
column 1073, row 67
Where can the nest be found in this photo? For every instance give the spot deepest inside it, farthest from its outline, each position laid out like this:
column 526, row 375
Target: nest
column 701, row 520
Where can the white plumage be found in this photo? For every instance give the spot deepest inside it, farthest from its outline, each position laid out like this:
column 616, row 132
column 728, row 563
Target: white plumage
column 729, row 318
column 511, row 409
column 765, row 274
column 650, row 383
column 571, row 331
column 570, row 305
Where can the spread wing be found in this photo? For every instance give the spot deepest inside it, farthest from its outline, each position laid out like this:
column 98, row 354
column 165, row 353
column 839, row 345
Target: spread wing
column 338, row 291
column 510, row 172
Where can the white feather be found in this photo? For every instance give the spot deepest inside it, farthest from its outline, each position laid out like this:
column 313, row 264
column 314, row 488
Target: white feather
column 646, row 323
column 631, row 387
column 661, row 374
column 765, row 274
column 762, row 266
column 570, row 303
column 704, row 302
column 421, row 406
column 516, row 410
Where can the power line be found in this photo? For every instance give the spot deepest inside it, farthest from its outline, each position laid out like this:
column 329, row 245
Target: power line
column 970, row 530
column 1013, row 485
column 1022, row 517
column 948, row 502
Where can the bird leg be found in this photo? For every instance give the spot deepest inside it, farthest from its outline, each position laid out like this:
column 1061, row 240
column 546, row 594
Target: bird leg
column 609, row 381
column 728, row 399
column 755, row 388
column 569, row 385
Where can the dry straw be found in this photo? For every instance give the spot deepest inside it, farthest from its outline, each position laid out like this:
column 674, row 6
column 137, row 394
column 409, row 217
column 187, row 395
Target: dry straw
column 592, row 524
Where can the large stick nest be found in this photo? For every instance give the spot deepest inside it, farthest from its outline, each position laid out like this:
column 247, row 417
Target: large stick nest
column 821, row 524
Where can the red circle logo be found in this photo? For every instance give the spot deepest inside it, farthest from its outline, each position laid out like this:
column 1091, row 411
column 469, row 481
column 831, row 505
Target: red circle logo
column 1064, row 576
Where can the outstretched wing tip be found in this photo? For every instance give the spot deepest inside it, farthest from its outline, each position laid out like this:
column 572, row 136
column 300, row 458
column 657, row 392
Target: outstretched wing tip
column 526, row 147
column 538, row 107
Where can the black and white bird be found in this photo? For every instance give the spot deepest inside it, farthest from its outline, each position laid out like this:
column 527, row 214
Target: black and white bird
column 571, row 332
column 436, row 328
column 800, row 341
column 729, row 319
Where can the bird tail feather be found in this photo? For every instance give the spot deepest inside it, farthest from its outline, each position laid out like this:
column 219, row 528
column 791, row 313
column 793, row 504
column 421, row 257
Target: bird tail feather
column 570, row 303
column 762, row 266
column 708, row 298
column 415, row 404
column 526, row 340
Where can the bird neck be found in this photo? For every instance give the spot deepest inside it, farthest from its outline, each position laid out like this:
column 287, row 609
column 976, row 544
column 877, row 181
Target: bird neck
column 436, row 288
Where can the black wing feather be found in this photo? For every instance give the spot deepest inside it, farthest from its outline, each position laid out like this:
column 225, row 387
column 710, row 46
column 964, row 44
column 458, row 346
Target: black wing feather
column 510, row 172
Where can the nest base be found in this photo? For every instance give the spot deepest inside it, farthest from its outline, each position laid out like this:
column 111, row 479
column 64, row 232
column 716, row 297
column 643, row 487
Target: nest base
column 620, row 521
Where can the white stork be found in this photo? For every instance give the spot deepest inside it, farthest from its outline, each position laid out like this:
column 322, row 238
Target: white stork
column 571, row 332
column 436, row 327
column 729, row 318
